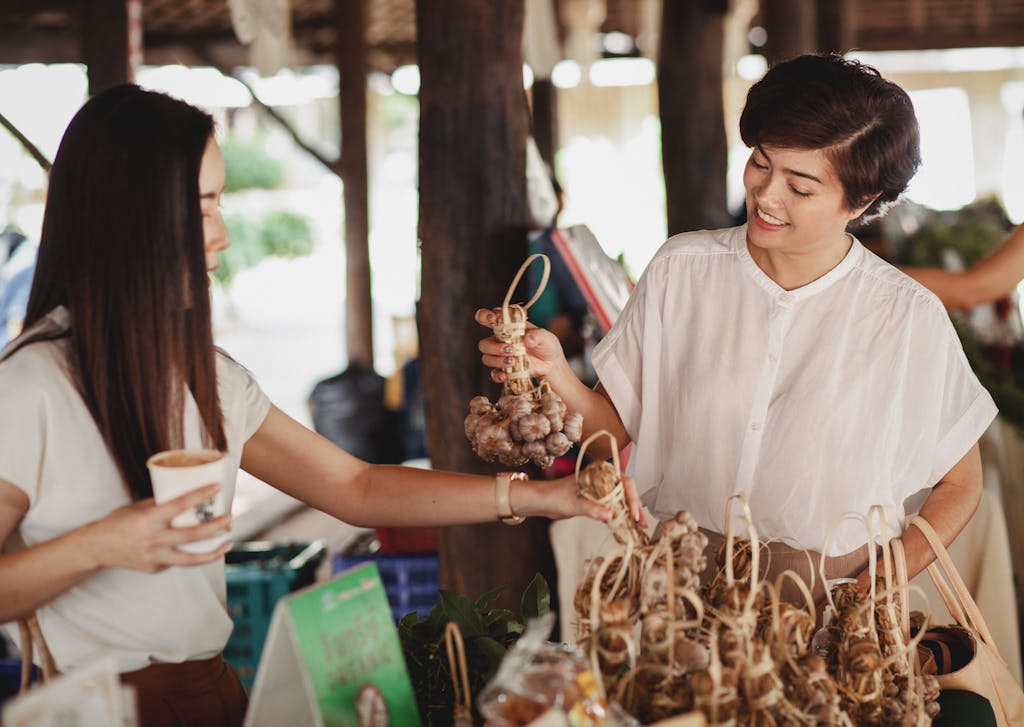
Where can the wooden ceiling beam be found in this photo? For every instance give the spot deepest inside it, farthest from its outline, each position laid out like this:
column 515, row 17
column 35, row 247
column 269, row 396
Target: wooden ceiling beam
column 895, row 40
column 39, row 46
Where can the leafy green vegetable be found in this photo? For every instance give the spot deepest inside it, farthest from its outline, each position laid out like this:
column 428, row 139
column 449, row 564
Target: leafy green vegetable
column 487, row 634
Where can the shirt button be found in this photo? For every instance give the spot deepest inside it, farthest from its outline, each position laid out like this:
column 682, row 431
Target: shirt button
column 755, row 426
column 771, row 358
column 786, row 298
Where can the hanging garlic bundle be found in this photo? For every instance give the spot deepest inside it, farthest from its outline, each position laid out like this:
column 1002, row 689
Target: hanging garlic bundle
column 527, row 423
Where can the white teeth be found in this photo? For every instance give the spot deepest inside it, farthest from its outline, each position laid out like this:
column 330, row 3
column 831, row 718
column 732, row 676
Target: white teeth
column 768, row 218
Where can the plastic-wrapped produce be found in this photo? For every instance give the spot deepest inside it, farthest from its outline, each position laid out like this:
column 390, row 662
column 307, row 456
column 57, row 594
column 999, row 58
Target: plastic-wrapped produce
column 543, row 682
column 529, row 422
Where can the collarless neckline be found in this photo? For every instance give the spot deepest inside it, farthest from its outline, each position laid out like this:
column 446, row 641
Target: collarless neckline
column 789, row 297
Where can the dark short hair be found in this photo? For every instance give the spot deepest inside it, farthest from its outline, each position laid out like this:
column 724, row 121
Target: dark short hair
column 865, row 124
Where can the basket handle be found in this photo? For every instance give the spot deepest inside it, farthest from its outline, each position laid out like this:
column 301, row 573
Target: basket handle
column 30, row 634
column 518, row 277
column 460, row 678
column 755, row 544
column 591, row 438
column 951, row 586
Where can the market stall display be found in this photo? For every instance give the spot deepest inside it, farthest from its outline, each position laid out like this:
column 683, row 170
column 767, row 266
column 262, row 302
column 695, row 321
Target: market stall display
column 530, row 422
column 734, row 650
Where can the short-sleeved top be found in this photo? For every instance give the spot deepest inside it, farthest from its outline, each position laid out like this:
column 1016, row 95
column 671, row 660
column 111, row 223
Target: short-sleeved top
column 51, row 449
column 848, row 392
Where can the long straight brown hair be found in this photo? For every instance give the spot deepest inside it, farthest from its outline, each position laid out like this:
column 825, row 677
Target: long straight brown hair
column 122, row 249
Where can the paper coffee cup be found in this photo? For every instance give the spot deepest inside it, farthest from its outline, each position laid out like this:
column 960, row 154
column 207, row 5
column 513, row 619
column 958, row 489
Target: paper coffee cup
column 177, row 471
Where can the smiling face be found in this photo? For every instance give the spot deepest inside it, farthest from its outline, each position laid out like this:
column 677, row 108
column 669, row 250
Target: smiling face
column 795, row 203
column 211, row 189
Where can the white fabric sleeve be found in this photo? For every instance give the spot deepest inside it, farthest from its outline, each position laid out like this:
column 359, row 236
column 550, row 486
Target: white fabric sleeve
column 22, row 435
column 965, row 409
column 619, row 357
column 242, row 385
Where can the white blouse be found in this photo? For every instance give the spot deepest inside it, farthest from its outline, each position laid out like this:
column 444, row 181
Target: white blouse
column 848, row 392
column 51, row 449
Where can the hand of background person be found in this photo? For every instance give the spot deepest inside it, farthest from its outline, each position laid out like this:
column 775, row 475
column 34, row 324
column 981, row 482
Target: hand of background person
column 139, row 536
column 540, row 346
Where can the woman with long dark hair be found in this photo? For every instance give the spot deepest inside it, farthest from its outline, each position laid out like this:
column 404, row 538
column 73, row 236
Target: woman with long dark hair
column 116, row 363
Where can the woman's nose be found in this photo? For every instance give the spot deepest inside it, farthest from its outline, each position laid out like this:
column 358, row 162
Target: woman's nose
column 220, row 238
column 767, row 188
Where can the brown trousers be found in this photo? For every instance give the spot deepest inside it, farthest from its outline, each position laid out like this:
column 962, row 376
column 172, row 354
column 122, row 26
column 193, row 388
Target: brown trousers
column 203, row 693
column 778, row 557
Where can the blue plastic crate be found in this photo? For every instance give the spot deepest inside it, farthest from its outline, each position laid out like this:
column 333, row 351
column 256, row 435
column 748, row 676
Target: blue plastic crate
column 10, row 678
column 258, row 574
column 411, row 581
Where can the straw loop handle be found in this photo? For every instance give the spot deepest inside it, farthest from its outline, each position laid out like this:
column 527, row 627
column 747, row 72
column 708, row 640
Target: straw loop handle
column 515, row 281
column 460, row 677
column 586, row 443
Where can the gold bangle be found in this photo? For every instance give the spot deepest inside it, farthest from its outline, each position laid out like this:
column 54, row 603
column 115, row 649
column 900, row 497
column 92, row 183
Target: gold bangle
column 502, row 500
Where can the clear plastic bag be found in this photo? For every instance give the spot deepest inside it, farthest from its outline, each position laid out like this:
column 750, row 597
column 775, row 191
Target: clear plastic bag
column 546, row 683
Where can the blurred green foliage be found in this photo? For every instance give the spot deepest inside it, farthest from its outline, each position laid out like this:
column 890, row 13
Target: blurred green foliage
column 247, row 165
column 971, row 232
column 488, row 634
column 276, row 234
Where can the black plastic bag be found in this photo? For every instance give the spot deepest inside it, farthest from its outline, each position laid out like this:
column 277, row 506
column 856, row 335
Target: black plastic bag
column 348, row 409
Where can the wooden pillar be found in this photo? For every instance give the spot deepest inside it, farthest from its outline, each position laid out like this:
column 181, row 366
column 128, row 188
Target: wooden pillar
column 545, row 119
column 693, row 137
column 110, row 33
column 351, row 60
column 472, row 224
column 835, row 25
column 792, row 28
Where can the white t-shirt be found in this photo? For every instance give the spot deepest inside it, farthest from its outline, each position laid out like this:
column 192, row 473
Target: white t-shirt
column 52, row 450
column 848, row 392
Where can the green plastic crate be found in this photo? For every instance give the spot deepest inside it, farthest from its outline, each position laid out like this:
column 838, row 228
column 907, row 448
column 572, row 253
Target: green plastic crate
column 258, row 574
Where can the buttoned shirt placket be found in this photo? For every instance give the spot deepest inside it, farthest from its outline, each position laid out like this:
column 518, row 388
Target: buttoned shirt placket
column 780, row 317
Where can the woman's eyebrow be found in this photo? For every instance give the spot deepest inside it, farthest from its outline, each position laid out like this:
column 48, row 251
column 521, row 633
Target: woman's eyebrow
column 805, row 175
column 794, row 172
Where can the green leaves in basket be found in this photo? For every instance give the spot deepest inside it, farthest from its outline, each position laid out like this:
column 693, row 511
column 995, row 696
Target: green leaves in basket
column 536, row 598
column 487, row 634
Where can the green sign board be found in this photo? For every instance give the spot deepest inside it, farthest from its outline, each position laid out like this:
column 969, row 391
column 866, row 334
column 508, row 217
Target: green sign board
column 339, row 642
column 347, row 640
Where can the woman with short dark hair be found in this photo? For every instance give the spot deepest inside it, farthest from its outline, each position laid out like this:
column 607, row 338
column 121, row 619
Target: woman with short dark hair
column 116, row 363
column 783, row 361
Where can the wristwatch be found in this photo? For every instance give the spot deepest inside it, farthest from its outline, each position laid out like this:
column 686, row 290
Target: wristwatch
column 502, row 485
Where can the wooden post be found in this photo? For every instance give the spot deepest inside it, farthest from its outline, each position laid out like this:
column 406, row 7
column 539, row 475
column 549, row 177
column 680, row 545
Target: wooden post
column 351, row 59
column 835, row 25
column 792, row 28
column 110, row 34
column 545, row 119
column 692, row 117
column 472, row 225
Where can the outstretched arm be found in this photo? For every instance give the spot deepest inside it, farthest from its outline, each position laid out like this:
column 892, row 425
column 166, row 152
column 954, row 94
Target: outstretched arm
column 305, row 465
column 989, row 279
